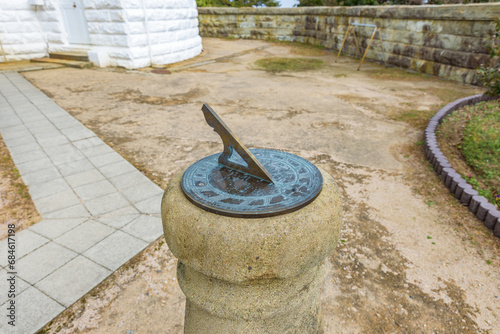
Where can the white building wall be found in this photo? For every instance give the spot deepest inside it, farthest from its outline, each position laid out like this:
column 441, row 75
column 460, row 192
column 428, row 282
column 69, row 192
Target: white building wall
column 162, row 32
column 127, row 33
column 20, row 32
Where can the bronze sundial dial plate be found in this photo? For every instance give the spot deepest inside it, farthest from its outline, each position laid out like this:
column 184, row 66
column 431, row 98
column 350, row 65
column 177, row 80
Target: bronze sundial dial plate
column 253, row 183
column 222, row 190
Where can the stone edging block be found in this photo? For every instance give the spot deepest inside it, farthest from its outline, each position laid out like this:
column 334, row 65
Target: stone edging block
column 463, row 191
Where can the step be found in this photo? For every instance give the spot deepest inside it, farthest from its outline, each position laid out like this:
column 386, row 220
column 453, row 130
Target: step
column 69, row 63
column 70, row 55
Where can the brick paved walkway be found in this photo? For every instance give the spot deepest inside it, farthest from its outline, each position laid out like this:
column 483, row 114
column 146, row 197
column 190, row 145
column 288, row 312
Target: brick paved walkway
column 98, row 210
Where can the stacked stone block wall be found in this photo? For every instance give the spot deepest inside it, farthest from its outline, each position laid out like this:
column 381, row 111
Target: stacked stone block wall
column 448, row 40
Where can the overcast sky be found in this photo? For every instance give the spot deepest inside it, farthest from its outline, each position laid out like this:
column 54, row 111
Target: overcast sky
column 288, row 3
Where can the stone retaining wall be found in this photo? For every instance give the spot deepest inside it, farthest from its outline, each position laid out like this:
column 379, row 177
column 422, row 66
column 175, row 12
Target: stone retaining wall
column 448, row 40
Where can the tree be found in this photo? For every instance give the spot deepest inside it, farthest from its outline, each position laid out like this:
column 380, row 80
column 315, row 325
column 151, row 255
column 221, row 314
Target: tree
column 304, row 3
column 237, row 3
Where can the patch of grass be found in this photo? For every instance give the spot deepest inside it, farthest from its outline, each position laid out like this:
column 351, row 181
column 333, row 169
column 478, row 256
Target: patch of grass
column 303, row 49
column 277, row 65
column 416, row 118
column 392, row 73
column 340, row 75
column 470, row 139
column 420, row 118
column 481, row 145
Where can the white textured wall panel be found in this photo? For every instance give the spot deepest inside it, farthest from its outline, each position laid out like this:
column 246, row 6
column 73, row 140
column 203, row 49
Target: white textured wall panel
column 128, row 33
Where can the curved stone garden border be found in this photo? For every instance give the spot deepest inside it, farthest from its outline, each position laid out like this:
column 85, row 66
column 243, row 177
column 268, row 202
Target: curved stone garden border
column 478, row 205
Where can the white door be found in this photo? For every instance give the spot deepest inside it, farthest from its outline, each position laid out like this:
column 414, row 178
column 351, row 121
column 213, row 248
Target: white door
column 74, row 21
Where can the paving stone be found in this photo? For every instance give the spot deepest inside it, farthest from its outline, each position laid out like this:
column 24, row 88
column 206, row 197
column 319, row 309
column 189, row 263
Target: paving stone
column 41, row 176
column 43, row 261
column 125, row 211
column 37, row 310
column 24, row 149
column 26, row 139
column 118, row 168
column 84, row 236
column 20, row 286
column 33, row 116
column 8, row 114
column 117, row 221
column 95, row 190
column 89, row 176
column 127, row 180
column 66, row 158
column 48, row 135
column 87, row 143
column 147, row 228
column 52, row 110
column 30, row 167
column 26, row 241
column 75, row 167
column 141, row 191
column 65, row 122
column 106, row 159
column 31, row 157
column 49, row 188
column 97, row 150
column 42, row 129
column 77, row 133
column 54, row 141
column 61, row 149
column 115, row 250
column 106, row 203
column 76, row 211
column 52, row 228
column 16, row 131
column 10, row 122
column 83, row 274
column 151, row 205
column 56, row 202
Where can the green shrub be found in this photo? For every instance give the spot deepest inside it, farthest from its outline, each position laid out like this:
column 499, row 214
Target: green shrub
column 490, row 75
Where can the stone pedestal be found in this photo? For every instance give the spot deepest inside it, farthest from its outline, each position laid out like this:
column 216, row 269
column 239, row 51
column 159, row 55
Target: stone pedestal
column 260, row 275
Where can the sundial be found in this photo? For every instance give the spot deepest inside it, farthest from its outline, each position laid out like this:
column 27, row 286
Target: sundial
column 250, row 183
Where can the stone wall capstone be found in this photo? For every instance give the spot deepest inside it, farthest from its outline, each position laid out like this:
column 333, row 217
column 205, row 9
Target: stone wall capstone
column 449, row 41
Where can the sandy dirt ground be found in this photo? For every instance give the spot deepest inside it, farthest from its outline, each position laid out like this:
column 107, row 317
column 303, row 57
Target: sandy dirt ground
column 16, row 206
column 410, row 259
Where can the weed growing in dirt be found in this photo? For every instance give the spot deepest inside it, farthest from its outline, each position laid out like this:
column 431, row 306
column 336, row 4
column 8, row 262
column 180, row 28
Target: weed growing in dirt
column 396, row 74
column 277, row 65
column 302, row 49
column 416, row 118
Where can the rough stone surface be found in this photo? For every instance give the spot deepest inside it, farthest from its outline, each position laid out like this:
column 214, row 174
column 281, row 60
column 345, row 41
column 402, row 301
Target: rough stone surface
column 447, row 41
column 257, row 275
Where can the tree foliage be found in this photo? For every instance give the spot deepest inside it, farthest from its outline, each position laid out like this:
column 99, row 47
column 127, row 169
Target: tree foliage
column 304, row 3
column 237, row 3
